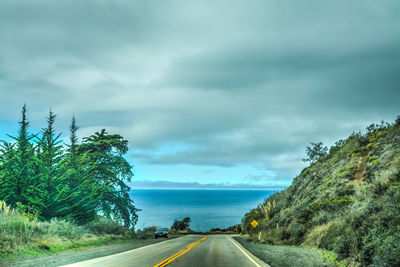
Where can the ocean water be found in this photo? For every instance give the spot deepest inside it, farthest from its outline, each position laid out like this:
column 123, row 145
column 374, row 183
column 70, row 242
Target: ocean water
column 206, row 208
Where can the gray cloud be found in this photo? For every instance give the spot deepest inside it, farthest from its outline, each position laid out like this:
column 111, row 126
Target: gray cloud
column 234, row 83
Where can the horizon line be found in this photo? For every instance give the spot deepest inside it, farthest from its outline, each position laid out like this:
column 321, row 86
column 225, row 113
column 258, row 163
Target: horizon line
column 212, row 188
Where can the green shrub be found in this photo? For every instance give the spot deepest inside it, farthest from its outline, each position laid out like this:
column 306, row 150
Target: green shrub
column 15, row 230
column 297, row 232
column 146, row 233
column 389, row 252
column 304, row 212
column 346, row 245
column 330, row 236
column 370, row 243
column 331, row 203
column 44, row 245
column 65, row 229
column 106, row 226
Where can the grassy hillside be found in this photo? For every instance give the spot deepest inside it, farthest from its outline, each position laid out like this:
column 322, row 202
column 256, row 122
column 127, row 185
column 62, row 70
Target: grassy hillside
column 346, row 202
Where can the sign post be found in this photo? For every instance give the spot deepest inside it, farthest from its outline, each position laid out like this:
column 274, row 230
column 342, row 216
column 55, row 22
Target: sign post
column 254, row 223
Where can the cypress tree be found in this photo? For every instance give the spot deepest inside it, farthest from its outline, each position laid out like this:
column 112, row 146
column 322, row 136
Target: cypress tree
column 8, row 173
column 111, row 172
column 20, row 167
column 49, row 155
column 24, row 158
column 78, row 194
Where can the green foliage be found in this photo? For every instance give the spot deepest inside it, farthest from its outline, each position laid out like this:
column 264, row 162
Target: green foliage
column 389, row 251
column 110, row 172
column 63, row 229
column 78, row 195
column 336, row 147
column 181, row 225
column 331, row 203
column 329, row 256
column 107, row 226
column 315, row 152
column 17, row 168
column 146, row 233
column 49, row 155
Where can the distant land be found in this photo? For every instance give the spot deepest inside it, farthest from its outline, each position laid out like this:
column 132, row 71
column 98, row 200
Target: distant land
column 168, row 185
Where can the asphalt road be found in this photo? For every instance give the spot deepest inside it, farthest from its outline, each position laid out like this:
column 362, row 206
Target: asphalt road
column 190, row 250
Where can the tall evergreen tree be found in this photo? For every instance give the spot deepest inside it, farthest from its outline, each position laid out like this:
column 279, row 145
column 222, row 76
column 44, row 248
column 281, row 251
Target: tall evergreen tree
column 8, row 172
column 49, row 155
column 24, row 160
column 19, row 167
column 79, row 200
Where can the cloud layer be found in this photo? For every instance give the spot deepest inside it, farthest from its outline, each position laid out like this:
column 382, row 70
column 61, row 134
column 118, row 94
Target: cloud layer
column 215, row 83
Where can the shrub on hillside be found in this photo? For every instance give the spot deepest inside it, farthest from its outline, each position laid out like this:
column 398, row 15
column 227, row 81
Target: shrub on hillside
column 315, row 151
column 297, row 232
column 389, row 252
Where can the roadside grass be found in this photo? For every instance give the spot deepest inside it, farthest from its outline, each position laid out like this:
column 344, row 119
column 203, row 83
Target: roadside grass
column 284, row 256
column 329, row 256
column 19, row 233
column 75, row 254
column 48, row 249
column 22, row 235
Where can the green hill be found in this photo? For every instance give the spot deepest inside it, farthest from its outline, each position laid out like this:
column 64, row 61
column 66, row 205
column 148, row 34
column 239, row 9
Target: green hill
column 347, row 201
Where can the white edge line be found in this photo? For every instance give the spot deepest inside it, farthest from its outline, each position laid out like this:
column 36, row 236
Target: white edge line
column 94, row 260
column 246, row 253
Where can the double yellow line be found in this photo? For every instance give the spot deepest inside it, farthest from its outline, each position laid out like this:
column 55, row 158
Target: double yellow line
column 180, row 253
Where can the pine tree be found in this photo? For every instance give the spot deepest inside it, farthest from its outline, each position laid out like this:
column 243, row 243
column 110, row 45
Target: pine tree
column 24, row 160
column 19, row 167
column 49, row 155
column 78, row 196
column 8, row 172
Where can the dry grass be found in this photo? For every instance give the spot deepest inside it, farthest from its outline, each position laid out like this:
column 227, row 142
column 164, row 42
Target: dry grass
column 314, row 237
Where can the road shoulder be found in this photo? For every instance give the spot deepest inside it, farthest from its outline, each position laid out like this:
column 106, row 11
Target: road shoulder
column 257, row 262
column 282, row 256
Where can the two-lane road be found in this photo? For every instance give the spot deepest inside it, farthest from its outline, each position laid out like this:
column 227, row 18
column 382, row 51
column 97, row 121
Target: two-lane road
column 190, row 250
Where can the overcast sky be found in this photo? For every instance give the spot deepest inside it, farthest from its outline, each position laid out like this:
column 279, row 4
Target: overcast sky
column 208, row 92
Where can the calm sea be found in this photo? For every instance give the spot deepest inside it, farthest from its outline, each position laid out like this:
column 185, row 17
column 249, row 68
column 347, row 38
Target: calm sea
column 207, row 208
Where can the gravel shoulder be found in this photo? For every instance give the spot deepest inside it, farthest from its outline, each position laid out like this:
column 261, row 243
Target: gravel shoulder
column 283, row 256
column 76, row 255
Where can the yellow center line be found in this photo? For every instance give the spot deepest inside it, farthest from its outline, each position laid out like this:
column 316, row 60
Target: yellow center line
column 180, row 253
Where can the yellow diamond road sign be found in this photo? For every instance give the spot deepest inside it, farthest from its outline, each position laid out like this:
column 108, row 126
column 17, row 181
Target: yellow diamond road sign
column 254, row 223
